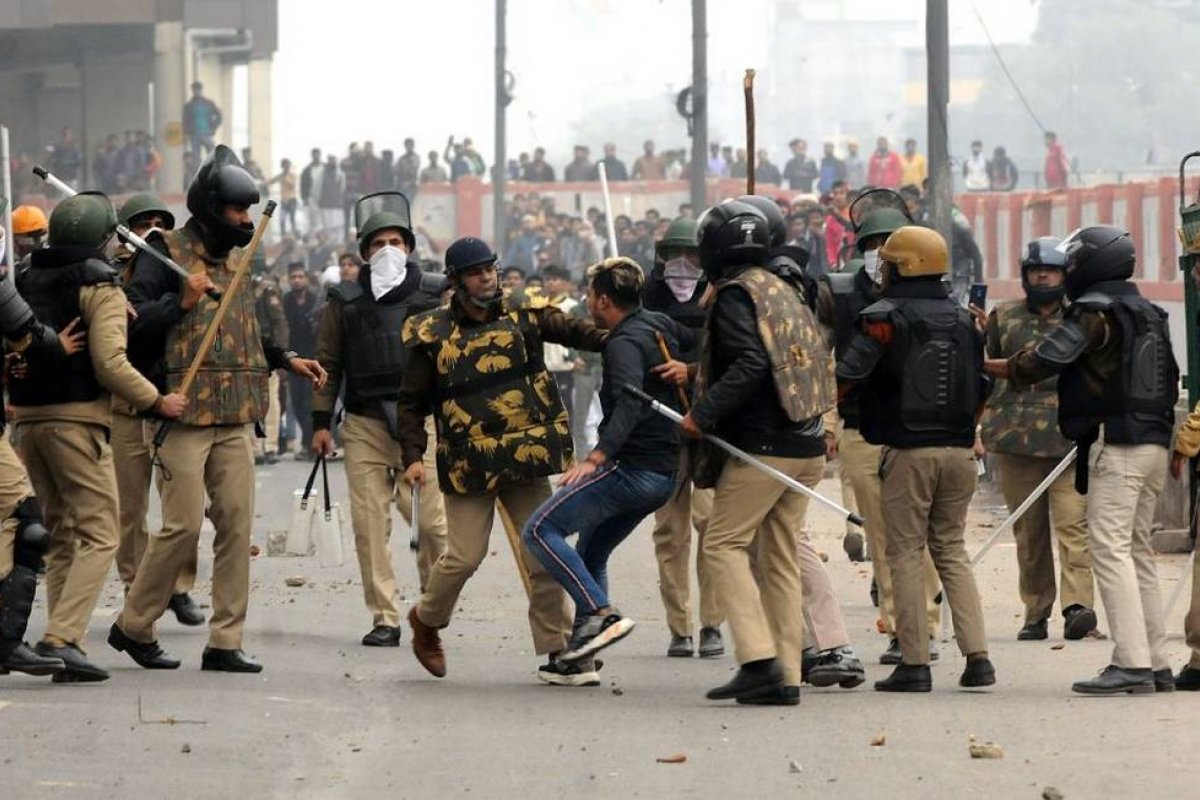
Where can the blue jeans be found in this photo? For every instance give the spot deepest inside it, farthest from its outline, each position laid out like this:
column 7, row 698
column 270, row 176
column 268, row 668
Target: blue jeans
column 603, row 509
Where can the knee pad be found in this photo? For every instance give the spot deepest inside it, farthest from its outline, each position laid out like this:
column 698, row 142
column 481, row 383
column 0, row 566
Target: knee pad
column 32, row 540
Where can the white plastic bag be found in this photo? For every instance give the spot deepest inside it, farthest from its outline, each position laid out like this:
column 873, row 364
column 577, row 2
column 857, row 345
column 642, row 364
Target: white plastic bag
column 327, row 527
column 304, row 504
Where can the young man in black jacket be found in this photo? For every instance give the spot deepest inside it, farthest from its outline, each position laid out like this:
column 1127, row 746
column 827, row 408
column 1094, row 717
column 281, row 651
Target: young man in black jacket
column 631, row 471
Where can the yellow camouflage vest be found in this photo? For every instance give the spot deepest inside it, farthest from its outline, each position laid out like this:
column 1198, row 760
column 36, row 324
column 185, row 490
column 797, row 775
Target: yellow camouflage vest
column 801, row 365
column 500, row 420
column 231, row 387
column 1022, row 423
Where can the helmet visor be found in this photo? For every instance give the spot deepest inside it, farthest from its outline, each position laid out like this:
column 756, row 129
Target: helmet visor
column 371, row 204
column 875, row 200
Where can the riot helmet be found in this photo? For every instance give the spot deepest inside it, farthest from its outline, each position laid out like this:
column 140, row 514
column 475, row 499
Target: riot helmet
column 144, row 203
column 466, row 253
column 379, row 211
column 776, row 225
column 83, row 220
column 1095, row 254
column 221, row 181
column 914, row 252
column 680, row 235
column 1042, row 252
column 732, row 235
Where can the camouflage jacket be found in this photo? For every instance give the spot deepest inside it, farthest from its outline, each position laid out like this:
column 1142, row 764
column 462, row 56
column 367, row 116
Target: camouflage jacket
column 500, row 420
column 231, row 387
column 1021, row 422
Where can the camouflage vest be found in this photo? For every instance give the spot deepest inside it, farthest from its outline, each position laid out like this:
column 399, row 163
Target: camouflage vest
column 500, row 420
column 231, row 387
column 801, row 365
column 1022, row 423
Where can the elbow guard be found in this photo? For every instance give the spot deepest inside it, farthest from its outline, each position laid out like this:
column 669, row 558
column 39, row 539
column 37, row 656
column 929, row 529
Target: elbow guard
column 1064, row 345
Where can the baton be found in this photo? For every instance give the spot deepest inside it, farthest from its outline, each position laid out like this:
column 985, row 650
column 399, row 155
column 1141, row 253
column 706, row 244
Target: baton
column 1068, row 459
column 745, row 457
column 666, row 354
column 134, row 239
column 610, row 227
column 414, row 517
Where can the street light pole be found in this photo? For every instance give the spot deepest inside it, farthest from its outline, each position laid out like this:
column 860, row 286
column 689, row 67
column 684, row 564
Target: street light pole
column 699, row 105
column 937, row 57
column 500, row 157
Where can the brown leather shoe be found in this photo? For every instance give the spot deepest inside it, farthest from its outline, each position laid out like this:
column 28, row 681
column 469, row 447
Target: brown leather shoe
column 427, row 645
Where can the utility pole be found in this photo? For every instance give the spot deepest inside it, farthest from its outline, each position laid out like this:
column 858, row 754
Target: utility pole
column 699, row 105
column 500, row 157
column 937, row 58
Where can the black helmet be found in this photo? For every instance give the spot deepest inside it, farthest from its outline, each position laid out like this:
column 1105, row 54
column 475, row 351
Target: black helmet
column 776, row 225
column 466, row 253
column 732, row 234
column 1042, row 252
column 221, row 181
column 1096, row 254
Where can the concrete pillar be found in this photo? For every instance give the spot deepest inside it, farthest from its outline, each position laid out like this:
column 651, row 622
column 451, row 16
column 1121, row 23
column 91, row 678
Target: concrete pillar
column 170, row 93
column 258, row 99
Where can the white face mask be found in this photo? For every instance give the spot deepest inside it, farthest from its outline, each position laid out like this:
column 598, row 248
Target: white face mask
column 681, row 277
column 871, row 265
column 389, row 265
column 131, row 247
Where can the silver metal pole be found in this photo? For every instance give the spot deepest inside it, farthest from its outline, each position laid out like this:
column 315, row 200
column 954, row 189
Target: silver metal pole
column 746, row 458
column 10, row 243
column 1033, row 497
column 414, row 540
column 608, row 211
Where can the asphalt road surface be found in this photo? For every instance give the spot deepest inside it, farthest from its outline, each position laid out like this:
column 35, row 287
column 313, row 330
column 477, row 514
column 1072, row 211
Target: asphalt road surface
column 329, row 718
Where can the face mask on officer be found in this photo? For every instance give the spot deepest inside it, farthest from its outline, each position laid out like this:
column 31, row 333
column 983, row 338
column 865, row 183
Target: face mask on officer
column 681, row 277
column 389, row 265
column 871, row 265
column 131, row 247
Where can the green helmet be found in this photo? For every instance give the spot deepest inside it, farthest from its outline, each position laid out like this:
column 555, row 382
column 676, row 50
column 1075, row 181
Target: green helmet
column 881, row 222
column 680, row 235
column 85, row 220
column 380, row 211
column 142, row 203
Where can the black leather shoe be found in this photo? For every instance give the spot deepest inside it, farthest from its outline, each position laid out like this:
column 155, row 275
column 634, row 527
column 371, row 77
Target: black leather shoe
column 1117, row 680
column 711, row 644
column 76, row 667
column 186, row 610
column 1033, row 632
column 1164, row 681
column 1188, row 680
column 852, row 543
column 892, row 655
column 907, row 678
column 382, row 636
column 146, row 655
column 979, row 672
column 24, row 659
column 1078, row 622
column 681, row 647
column 216, row 660
column 783, row 696
column 753, row 679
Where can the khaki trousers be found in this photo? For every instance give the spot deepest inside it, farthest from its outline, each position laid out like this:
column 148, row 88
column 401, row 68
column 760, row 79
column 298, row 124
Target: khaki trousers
column 860, row 465
column 14, row 487
column 822, row 613
column 1061, row 510
column 1191, row 623
column 1123, row 487
column 673, row 523
column 217, row 462
column 850, row 500
column 751, row 509
column 71, row 467
column 274, row 411
column 374, row 470
column 470, row 518
column 131, row 437
column 927, row 492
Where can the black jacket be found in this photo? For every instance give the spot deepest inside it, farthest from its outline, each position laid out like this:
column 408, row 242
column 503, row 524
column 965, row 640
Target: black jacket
column 741, row 404
column 632, row 433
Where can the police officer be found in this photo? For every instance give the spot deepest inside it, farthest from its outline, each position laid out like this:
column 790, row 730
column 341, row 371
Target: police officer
column 360, row 345
column 210, row 452
column 1020, row 430
column 841, row 298
column 674, row 287
column 272, row 321
column 63, row 413
column 764, row 384
column 476, row 365
column 24, row 540
column 147, row 216
column 1187, row 446
column 920, row 358
column 1117, row 387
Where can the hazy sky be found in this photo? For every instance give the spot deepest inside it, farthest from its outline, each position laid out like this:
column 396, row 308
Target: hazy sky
column 386, row 69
